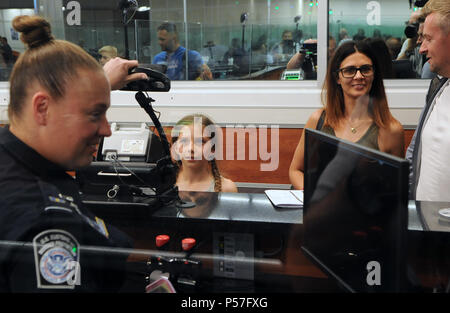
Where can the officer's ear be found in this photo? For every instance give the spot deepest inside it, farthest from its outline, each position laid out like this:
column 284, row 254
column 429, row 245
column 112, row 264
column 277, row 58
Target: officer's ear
column 40, row 101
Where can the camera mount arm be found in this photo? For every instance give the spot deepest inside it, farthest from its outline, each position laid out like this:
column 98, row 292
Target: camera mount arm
column 146, row 103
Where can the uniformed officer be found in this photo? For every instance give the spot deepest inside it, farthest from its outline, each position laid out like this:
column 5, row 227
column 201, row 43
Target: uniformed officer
column 59, row 96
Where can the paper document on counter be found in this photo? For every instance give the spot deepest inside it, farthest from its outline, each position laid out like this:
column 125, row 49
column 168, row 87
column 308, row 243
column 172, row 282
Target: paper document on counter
column 285, row 198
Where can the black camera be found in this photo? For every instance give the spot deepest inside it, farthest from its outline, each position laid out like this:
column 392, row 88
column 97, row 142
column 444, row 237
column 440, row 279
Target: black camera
column 309, row 48
column 420, row 3
column 411, row 30
column 310, row 61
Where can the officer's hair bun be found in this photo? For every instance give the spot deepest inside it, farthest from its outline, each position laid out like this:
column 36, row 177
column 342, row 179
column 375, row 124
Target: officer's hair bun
column 36, row 30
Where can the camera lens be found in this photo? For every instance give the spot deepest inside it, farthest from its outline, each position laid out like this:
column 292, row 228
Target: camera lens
column 411, row 30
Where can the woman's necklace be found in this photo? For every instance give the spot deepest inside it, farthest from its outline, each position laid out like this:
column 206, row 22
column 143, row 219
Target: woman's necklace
column 353, row 128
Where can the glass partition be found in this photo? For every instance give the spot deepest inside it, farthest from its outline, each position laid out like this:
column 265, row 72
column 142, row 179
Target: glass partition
column 10, row 45
column 235, row 39
column 382, row 22
column 211, row 29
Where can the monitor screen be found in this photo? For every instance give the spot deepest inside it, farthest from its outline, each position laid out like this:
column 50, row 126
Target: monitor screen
column 355, row 214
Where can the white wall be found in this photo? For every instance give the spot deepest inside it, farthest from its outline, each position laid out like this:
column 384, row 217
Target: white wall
column 264, row 102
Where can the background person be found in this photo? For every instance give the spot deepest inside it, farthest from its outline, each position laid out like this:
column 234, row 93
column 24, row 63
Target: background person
column 213, row 53
column 237, row 58
column 411, row 46
column 7, row 59
column 298, row 59
column 107, row 53
column 360, row 35
column 343, row 36
column 355, row 106
column 6, row 51
column 394, row 44
column 409, row 43
column 383, row 54
column 173, row 55
column 4, row 69
column 197, row 168
column 331, row 46
column 260, row 58
column 285, row 49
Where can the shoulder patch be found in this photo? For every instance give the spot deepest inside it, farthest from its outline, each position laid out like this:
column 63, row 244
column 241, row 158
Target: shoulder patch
column 57, row 260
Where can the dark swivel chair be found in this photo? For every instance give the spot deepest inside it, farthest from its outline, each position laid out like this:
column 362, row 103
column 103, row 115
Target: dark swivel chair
column 403, row 69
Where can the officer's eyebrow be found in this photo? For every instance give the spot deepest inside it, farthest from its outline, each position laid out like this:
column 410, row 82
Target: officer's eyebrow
column 101, row 106
column 98, row 107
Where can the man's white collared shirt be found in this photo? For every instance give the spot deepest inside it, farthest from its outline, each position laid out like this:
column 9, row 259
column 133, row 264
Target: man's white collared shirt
column 434, row 173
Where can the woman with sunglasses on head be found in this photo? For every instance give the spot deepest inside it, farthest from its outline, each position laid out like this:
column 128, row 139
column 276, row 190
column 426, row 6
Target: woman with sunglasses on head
column 355, row 107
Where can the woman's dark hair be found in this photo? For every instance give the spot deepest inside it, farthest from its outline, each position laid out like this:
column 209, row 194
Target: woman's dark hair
column 49, row 62
column 332, row 94
column 384, row 56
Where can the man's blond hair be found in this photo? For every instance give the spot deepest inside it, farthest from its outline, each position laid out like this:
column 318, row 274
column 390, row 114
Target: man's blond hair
column 111, row 50
column 442, row 8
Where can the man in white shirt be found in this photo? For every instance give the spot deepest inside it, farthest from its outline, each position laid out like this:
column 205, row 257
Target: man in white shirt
column 429, row 151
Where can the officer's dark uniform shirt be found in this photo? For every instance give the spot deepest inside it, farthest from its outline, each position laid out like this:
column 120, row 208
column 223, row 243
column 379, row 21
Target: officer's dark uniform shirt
column 44, row 227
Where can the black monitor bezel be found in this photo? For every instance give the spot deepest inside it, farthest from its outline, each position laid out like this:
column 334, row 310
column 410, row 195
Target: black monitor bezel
column 401, row 207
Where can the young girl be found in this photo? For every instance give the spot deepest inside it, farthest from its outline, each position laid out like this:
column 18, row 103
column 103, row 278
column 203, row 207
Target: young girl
column 193, row 149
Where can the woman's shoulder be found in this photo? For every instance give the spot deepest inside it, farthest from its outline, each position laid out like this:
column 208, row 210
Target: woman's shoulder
column 228, row 185
column 314, row 118
column 317, row 114
column 393, row 128
column 391, row 138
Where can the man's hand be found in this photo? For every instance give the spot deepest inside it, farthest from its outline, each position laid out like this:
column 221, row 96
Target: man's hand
column 206, row 73
column 296, row 61
column 117, row 72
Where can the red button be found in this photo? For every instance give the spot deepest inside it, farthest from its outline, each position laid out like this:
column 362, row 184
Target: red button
column 161, row 240
column 187, row 244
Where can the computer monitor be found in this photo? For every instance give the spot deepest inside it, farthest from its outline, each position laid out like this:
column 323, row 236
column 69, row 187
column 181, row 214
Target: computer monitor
column 355, row 214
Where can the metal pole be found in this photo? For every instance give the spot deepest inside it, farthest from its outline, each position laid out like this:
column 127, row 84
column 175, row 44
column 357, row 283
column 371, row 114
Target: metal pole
column 136, row 39
column 186, row 39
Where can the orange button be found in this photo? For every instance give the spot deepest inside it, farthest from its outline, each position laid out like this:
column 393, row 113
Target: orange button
column 161, row 240
column 187, row 244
